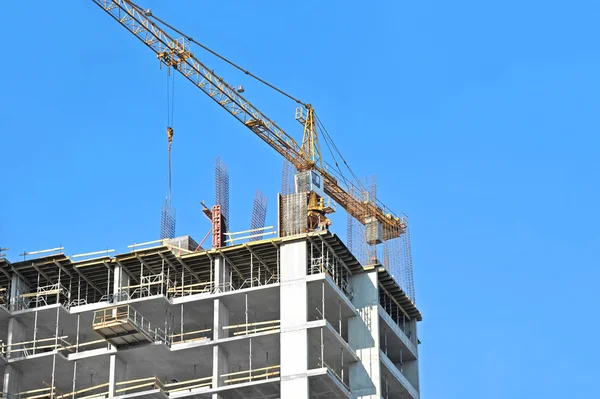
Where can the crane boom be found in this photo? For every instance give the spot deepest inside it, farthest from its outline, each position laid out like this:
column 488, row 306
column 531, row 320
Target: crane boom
column 176, row 53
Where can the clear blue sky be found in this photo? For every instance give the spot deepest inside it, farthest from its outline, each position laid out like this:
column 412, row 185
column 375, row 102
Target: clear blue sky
column 480, row 121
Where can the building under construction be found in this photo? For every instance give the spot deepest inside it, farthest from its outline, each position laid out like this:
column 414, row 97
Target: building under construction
column 290, row 311
column 296, row 315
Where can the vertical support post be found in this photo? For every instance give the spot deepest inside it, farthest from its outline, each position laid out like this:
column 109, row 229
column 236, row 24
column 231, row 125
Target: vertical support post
column 385, row 340
column 250, row 361
column 74, row 380
column 55, row 342
column 246, row 312
column 342, row 350
column 340, row 320
column 322, row 349
column 323, row 299
column 141, row 279
column 35, row 320
column 162, row 278
column 251, row 271
column 59, row 287
column 401, row 360
column 107, row 285
column 77, row 337
column 212, row 281
column 181, row 328
column 267, row 364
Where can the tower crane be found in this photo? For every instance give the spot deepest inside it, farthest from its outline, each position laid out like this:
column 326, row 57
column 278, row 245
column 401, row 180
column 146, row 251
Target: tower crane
column 306, row 157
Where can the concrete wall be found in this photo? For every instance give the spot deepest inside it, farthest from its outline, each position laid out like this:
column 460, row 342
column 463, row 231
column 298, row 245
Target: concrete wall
column 410, row 369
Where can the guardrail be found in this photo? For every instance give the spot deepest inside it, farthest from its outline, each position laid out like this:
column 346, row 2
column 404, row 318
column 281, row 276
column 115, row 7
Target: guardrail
column 97, row 391
column 173, row 387
column 264, row 373
column 26, row 348
column 255, row 327
column 185, row 336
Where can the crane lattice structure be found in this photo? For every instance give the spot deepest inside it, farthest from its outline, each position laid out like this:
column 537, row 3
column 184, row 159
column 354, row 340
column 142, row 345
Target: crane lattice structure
column 176, row 53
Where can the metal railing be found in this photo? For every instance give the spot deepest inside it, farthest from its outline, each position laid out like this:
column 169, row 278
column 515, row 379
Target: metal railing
column 27, row 348
column 264, row 373
column 97, row 391
column 180, row 386
column 254, row 327
column 338, row 274
column 190, row 336
column 190, row 289
column 41, row 297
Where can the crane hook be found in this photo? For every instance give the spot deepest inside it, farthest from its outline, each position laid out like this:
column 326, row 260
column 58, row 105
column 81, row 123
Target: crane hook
column 170, row 133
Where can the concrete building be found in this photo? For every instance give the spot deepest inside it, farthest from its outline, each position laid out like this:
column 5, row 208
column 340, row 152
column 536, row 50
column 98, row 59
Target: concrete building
column 292, row 317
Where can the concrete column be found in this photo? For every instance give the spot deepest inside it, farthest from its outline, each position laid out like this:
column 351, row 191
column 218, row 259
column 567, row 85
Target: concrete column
column 117, row 373
column 363, row 337
column 12, row 381
column 294, row 337
column 222, row 274
column 12, row 376
column 16, row 333
column 17, row 287
column 220, row 356
column 220, row 365
column 121, row 280
column 221, row 319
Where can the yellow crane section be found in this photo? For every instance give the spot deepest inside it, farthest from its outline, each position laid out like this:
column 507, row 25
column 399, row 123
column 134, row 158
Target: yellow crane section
column 175, row 53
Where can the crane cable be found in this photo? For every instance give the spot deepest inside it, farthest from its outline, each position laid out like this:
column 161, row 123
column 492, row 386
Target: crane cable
column 233, row 64
column 191, row 39
column 149, row 14
column 170, row 131
column 328, row 138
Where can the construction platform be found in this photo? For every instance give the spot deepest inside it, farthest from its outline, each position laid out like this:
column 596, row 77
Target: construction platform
column 293, row 317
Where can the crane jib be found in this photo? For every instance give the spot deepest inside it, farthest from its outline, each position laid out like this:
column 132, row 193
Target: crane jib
column 175, row 53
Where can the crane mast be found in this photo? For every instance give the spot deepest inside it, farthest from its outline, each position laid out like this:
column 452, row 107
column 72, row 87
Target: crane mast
column 176, row 54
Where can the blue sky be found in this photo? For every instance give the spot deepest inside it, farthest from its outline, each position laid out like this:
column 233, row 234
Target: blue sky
column 480, row 121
